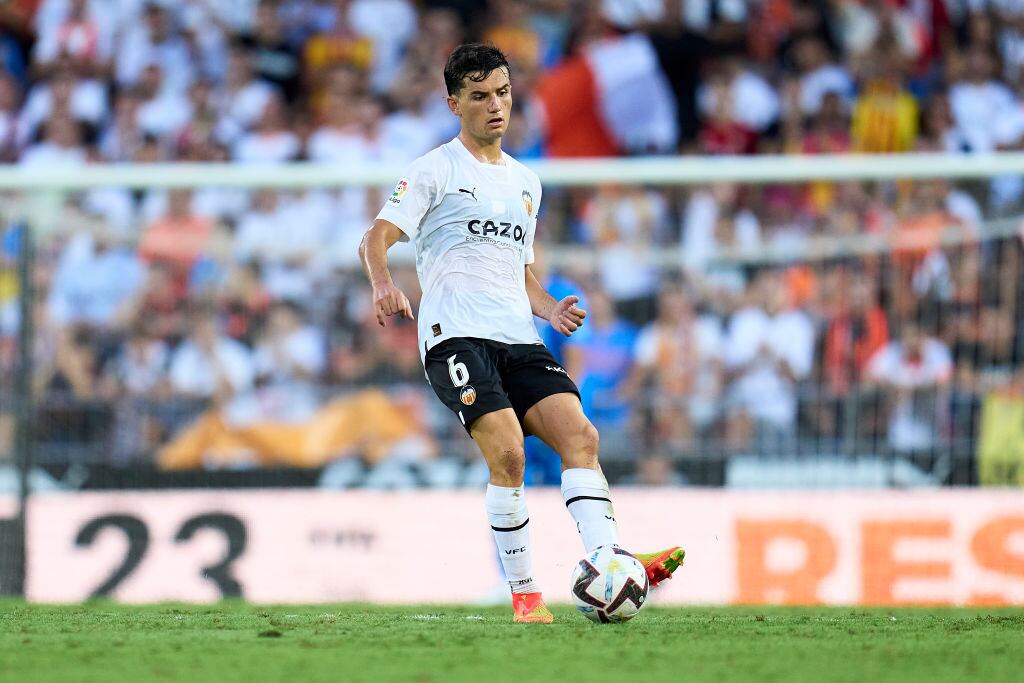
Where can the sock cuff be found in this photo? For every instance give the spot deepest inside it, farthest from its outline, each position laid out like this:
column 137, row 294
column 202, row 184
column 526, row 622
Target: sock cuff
column 581, row 481
column 505, row 500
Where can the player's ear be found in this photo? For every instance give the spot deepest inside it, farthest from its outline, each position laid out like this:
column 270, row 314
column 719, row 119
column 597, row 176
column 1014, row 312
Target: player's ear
column 453, row 105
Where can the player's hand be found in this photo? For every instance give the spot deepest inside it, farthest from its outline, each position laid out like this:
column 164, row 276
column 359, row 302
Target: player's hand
column 389, row 300
column 567, row 317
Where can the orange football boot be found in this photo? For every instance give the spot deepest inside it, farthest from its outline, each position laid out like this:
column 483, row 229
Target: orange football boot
column 660, row 565
column 530, row 609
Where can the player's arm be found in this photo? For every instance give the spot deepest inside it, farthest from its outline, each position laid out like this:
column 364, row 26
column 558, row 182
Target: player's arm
column 565, row 316
column 373, row 252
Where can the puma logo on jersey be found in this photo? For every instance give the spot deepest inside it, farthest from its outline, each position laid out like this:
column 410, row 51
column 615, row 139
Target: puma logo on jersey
column 501, row 229
column 471, row 194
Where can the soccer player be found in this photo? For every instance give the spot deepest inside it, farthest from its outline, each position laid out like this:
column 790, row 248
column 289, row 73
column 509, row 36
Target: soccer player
column 471, row 211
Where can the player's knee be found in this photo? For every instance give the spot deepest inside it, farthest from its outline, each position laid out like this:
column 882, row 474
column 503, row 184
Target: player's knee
column 509, row 466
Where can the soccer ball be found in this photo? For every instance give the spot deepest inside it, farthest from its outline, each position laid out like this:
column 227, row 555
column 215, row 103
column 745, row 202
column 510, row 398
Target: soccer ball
column 609, row 585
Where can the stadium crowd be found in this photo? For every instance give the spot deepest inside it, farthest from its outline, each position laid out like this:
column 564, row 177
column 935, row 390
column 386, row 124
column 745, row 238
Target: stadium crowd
column 716, row 324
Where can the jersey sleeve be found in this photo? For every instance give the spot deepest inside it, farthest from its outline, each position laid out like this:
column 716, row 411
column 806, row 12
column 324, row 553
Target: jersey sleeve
column 413, row 196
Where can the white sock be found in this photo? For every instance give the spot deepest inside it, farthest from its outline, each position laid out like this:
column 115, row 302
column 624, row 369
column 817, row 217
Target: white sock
column 510, row 522
column 586, row 496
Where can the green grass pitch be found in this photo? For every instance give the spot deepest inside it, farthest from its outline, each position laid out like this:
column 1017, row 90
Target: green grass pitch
column 240, row 642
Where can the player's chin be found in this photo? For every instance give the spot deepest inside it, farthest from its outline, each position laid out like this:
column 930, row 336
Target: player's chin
column 495, row 132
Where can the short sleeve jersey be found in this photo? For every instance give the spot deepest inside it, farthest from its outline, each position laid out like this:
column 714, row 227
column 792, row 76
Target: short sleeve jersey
column 472, row 225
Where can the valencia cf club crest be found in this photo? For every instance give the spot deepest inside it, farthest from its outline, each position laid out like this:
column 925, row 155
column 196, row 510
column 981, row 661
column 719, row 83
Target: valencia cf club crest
column 468, row 395
column 528, row 202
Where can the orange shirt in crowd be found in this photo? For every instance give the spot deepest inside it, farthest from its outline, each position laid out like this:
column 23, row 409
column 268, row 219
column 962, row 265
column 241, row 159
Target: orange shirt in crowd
column 569, row 96
column 846, row 357
column 915, row 237
column 178, row 241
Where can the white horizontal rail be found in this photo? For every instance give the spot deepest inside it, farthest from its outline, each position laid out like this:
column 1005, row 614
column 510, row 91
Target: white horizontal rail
column 645, row 170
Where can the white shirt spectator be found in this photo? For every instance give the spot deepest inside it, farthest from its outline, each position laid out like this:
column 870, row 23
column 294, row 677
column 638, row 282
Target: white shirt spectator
column 699, row 243
column 272, row 148
column 697, row 14
column 114, row 204
column 406, row 137
column 194, row 372
column 909, row 428
column 91, row 287
column 891, row 365
column 979, row 110
column 304, row 348
column 818, row 83
column 755, row 103
column 142, row 367
column 390, row 24
column 761, row 390
column 247, row 105
column 164, row 115
column 54, row 33
column 49, row 154
column 330, row 145
column 216, row 203
column 136, row 51
column 307, row 217
column 257, row 234
column 88, row 103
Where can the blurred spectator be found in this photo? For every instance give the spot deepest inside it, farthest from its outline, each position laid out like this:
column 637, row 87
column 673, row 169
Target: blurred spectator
column 737, row 93
column 819, row 75
column 340, row 45
column 82, row 32
column 601, row 362
column 981, row 105
column 140, row 368
column 272, row 140
column 910, row 371
column 209, row 364
column 626, row 223
column 155, row 40
column 678, row 372
column 273, row 59
column 64, row 94
column 95, row 282
column 162, row 112
column 62, row 145
column 10, row 126
column 291, row 349
column 714, row 221
column 243, row 97
column 858, row 330
column 769, row 348
column 179, row 237
column 885, row 115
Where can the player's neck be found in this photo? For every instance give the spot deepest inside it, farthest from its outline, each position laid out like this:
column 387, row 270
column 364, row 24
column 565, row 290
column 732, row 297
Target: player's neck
column 485, row 151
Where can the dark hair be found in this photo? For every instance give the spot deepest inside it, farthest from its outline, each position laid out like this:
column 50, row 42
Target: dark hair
column 474, row 61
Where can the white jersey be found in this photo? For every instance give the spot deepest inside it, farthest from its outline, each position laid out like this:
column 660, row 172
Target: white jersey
column 472, row 225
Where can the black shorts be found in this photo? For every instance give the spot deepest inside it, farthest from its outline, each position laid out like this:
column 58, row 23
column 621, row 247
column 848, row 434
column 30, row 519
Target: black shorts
column 474, row 377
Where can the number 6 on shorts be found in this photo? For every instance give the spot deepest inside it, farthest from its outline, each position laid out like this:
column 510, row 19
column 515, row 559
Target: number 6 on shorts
column 458, row 371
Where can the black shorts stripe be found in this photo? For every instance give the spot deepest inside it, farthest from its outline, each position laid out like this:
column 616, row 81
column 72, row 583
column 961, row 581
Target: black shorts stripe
column 513, row 528
column 573, row 500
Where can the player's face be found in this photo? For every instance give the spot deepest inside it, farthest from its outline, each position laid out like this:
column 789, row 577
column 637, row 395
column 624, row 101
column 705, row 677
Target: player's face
column 484, row 106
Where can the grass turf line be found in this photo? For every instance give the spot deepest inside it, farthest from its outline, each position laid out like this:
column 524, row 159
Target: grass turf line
column 234, row 641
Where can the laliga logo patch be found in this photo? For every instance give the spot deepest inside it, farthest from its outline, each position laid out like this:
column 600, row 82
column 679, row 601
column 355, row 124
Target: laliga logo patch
column 468, row 396
column 396, row 196
column 528, row 202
